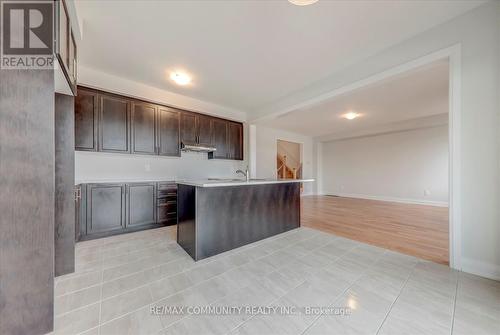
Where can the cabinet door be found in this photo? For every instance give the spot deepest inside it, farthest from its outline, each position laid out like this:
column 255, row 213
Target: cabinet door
column 235, row 140
column 204, row 125
column 188, row 128
column 63, row 34
column 141, row 204
column 86, row 120
column 143, row 128
column 72, row 62
column 114, row 126
column 105, row 208
column 219, row 139
column 78, row 208
column 168, row 121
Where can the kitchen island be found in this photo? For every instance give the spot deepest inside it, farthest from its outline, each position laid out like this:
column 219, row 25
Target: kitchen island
column 215, row 216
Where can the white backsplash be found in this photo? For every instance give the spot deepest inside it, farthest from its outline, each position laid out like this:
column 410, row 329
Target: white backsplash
column 96, row 166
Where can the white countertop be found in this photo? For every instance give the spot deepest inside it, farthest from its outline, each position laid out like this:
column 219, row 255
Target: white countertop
column 114, row 181
column 240, row 182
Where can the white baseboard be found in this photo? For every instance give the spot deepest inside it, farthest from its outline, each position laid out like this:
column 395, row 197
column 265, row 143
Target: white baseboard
column 391, row 199
column 483, row 269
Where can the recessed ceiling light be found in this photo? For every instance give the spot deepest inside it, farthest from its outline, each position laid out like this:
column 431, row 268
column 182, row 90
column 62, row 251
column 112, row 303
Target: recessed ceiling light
column 350, row 115
column 180, row 78
column 303, row 2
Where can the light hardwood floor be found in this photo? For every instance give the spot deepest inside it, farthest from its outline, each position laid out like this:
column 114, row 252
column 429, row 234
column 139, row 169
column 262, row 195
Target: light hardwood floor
column 416, row 230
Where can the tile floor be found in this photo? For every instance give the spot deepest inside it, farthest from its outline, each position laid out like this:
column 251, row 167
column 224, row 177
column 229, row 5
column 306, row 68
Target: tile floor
column 124, row 285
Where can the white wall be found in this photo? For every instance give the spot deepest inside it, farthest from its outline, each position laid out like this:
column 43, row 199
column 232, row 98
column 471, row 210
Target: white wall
column 265, row 150
column 104, row 166
column 95, row 166
column 478, row 33
column 398, row 166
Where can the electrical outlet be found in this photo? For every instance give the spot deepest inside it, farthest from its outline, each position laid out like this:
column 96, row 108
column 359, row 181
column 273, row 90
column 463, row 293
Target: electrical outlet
column 427, row 193
column 147, row 167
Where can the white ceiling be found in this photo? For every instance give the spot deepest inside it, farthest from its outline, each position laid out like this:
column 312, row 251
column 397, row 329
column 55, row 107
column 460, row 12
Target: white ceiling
column 246, row 54
column 419, row 93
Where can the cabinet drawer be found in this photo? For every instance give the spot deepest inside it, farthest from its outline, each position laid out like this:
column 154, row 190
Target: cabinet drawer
column 168, row 193
column 171, row 194
column 162, row 202
column 167, row 186
column 166, row 214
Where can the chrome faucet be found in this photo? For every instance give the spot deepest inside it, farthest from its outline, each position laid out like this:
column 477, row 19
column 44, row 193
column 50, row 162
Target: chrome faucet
column 245, row 173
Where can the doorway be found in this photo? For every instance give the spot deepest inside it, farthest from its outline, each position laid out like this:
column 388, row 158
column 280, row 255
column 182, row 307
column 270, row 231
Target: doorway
column 288, row 160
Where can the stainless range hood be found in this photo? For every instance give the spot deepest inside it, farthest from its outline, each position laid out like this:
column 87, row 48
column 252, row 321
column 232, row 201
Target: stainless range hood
column 196, row 147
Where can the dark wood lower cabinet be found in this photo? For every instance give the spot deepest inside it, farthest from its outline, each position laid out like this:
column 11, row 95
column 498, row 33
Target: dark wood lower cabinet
column 105, row 208
column 167, row 204
column 117, row 208
column 141, row 205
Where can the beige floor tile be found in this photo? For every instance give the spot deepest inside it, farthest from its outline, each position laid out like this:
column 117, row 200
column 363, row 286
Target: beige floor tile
column 140, row 322
column 68, row 302
column 170, row 285
column 389, row 293
column 125, row 303
column 77, row 282
column 77, row 321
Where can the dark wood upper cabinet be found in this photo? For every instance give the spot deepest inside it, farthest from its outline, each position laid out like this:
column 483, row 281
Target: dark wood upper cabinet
column 189, row 133
column 220, row 139
column 114, row 125
column 141, row 204
column 235, row 140
column 72, row 61
column 105, row 207
column 168, row 122
column 143, row 124
column 65, row 49
column 86, row 120
column 196, row 129
column 204, row 127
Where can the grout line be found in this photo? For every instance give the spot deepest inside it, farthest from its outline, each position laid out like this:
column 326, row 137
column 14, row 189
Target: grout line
column 229, row 253
column 293, row 288
column 102, row 282
column 346, row 290
column 395, row 300
column 183, row 271
column 102, row 249
column 303, row 281
column 86, row 330
column 203, row 281
column 455, row 303
column 100, row 305
column 121, row 238
column 123, row 292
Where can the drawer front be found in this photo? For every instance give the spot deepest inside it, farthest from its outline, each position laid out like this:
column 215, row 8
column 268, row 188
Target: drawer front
column 167, row 214
column 167, row 201
column 167, row 190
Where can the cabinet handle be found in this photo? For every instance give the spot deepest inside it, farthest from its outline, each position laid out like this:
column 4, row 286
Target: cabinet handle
column 78, row 194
